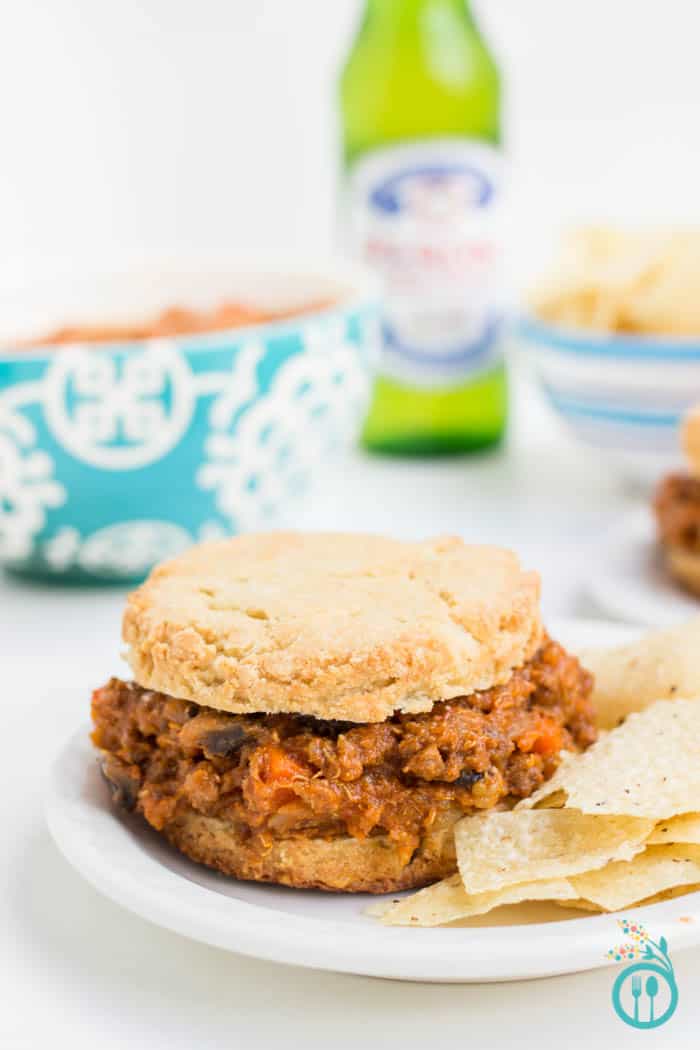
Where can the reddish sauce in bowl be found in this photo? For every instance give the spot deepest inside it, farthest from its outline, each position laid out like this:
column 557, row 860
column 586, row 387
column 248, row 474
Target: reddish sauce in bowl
column 176, row 321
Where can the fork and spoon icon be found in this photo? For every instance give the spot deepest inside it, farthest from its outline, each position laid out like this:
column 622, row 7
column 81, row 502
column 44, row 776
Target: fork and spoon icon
column 651, row 987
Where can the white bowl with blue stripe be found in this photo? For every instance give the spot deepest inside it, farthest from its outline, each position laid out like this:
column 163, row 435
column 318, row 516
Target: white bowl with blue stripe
column 624, row 395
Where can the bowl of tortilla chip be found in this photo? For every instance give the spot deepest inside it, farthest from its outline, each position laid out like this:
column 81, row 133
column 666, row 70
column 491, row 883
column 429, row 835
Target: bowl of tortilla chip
column 614, row 334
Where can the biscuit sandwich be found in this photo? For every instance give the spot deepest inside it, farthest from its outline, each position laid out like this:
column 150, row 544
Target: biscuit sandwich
column 318, row 710
column 677, row 509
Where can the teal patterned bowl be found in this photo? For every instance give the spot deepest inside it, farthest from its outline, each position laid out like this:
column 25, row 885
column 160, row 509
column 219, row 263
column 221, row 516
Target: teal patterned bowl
column 113, row 457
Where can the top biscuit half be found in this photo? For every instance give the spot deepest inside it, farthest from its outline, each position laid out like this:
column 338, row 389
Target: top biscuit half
column 335, row 625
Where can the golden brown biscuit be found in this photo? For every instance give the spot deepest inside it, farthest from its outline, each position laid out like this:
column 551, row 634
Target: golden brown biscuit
column 691, row 440
column 340, row 626
column 345, row 864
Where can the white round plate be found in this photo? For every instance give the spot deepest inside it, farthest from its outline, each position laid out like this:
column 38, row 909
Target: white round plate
column 631, row 583
column 135, row 867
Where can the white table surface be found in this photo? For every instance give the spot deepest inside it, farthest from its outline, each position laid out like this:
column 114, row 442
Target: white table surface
column 77, row 972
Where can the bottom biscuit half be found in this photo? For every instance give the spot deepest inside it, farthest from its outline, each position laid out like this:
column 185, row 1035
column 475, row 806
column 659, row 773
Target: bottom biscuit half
column 343, row 864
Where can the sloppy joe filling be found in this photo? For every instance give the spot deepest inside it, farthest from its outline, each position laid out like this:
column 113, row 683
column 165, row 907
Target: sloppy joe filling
column 677, row 508
column 286, row 774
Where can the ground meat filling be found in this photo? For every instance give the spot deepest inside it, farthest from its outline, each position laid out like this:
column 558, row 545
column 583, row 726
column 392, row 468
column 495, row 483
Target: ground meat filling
column 281, row 775
column 677, row 507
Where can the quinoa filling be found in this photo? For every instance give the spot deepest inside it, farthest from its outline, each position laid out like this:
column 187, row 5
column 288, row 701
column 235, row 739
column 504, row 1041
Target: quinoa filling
column 278, row 775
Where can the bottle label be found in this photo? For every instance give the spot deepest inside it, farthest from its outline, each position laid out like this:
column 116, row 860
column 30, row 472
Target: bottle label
column 426, row 217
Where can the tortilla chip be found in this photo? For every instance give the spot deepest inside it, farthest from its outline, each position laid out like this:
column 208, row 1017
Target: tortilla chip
column 507, row 848
column 618, row 280
column 669, row 303
column 624, row 883
column 448, row 901
column 656, row 898
column 685, row 828
column 664, row 665
column 647, row 767
column 576, row 902
column 670, row 895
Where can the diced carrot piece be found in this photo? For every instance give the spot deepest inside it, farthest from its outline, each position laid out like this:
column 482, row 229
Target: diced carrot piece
column 548, row 740
column 544, row 739
column 281, row 766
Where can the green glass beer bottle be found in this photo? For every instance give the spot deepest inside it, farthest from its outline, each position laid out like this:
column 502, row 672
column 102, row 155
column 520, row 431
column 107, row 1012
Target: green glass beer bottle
column 420, row 107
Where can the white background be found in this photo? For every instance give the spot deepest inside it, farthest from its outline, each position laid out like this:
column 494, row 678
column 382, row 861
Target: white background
column 151, row 130
column 173, row 131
